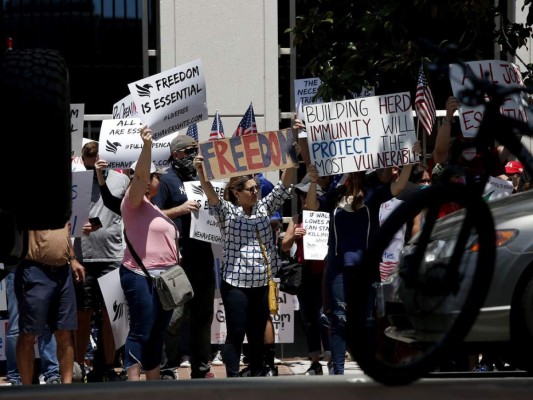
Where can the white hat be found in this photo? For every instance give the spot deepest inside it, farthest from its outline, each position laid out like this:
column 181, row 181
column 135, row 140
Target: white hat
column 153, row 169
column 304, row 187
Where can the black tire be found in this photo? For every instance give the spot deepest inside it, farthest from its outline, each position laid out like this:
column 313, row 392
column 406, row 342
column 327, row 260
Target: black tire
column 404, row 339
column 36, row 144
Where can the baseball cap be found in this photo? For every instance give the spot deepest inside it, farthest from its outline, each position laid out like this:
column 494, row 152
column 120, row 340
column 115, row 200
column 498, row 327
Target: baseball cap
column 304, row 187
column 182, row 142
column 514, row 167
column 153, row 169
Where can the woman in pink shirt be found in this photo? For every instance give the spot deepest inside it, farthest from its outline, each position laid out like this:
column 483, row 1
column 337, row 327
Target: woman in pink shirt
column 154, row 237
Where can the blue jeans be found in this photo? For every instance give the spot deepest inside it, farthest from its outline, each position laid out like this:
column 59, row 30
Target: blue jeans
column 46, row 342
column 337, row 289
column 246, row 313
column 315, row 322
column 148, row 321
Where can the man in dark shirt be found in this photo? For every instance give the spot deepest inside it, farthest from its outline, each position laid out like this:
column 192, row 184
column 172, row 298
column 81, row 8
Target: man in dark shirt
column 197, row 260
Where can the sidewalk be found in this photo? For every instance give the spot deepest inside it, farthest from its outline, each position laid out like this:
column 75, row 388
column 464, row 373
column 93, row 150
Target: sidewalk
column 292, row 366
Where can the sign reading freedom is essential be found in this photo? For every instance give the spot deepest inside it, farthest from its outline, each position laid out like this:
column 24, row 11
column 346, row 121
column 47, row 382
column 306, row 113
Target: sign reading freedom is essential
column 361, row 134
column 171, row 100
column 248, row 154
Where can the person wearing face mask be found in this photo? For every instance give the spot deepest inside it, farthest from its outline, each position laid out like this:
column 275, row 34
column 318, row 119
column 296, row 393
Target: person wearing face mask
column 197, row 261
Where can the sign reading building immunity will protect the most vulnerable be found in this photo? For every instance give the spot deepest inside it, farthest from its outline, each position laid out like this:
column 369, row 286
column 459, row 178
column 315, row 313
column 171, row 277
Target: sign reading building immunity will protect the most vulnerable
column 361, row 134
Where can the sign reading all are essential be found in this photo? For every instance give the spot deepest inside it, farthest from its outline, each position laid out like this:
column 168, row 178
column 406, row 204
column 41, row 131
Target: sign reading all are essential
column 361, row 134
column 248, row 154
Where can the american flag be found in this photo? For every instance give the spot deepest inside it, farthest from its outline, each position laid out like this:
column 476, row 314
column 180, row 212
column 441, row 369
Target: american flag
column 192, row 131
column 217, row 130
column 424, row 104
column 247, row 124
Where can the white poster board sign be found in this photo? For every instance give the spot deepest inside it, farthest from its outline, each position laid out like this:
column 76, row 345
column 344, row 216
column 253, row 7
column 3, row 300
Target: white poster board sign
column 315, row 241
column 116, row 306
column 171, row 100
column 77, row 113
column 120, row 144
column 82, row 185
column 283, row 322
column 500, row 72
column 497, row 188
column 304, row 91
column 361, row 134
column 125, row 108
column 391, row 254
column 203, row 225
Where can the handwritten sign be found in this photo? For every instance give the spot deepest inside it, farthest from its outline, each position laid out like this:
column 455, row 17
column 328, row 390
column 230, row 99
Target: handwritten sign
column 120, row 144
column 125, row 108
column 315, row 241
column 497, row 71
column 391, row 254
column 171, row 100
column 248, row 154
column 361, row 134
column 82, row 185
column 283, row 322
column 203, row 225
column 304, row 92
column 76, row 128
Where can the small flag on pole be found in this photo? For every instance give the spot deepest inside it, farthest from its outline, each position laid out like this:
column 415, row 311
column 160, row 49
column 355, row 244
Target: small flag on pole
column 247, row 124
column 192, row 131
column 424, row 103
column 217, row 130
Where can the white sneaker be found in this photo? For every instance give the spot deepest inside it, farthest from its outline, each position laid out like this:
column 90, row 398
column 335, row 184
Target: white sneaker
column 185, row 363
column 217, row 360
column 277, row 361
column 241, row 361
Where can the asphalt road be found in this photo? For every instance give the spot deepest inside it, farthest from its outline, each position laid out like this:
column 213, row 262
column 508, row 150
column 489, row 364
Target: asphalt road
column 295, row 387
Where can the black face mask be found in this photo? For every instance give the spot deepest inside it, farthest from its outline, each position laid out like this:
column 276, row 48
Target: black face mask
column 185, row 168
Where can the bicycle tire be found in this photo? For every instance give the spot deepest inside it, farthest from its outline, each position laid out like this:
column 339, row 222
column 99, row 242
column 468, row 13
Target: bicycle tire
column 35, row 106
column 400, row 340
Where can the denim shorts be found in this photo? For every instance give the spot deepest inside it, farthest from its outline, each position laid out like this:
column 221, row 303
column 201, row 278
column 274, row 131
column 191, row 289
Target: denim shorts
column 45, row 296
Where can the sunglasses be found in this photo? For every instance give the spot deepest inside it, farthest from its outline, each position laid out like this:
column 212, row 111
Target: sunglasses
column 190, row 150
column 252, row 189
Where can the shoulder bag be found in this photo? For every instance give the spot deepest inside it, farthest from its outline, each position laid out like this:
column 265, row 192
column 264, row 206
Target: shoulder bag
column 272, row 284
column 173, row 287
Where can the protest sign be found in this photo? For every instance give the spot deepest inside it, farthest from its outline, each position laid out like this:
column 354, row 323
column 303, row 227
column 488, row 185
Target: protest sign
column 120, row 144
column 497, row 71
column 125, row 108
column 391, row 254
column 82, row 186
column 361, row 134
column 315, row 241
column 304, row 91
column 283, row 322
column 76, row 128
column 116, row 306
column 248, row 154
column 171, row 100
column 203, row 225
column 497, row 188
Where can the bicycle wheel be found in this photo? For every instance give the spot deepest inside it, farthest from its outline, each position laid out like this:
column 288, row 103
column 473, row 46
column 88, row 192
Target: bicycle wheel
column 400, row 328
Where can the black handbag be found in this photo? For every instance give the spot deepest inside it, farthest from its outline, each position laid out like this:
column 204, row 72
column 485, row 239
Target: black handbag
column 290, row 275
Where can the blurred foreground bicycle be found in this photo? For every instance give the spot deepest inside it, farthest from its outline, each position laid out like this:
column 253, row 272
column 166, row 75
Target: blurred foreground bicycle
column 401, row 329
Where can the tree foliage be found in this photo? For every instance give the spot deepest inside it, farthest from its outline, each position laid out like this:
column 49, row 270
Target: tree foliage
column 380, row 43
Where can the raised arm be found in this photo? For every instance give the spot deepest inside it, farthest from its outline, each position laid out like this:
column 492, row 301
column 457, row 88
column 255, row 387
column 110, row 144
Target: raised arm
column 401, row 183
column 212, row 196
column 288, row 175
column 442, row 142
column 311, row 201
column 110, row 201
column 141, row 177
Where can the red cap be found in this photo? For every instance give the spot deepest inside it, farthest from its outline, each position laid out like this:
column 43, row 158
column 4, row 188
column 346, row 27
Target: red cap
column 513, row 167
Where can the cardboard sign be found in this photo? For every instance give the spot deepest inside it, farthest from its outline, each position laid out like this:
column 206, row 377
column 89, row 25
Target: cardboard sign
column 76, row 128
column 125, row 108
column 171, row 100
column 315, row 241
column 497, row 188
column 82, row 186
column 115, row 303
column 248, row 154
column 361, row 134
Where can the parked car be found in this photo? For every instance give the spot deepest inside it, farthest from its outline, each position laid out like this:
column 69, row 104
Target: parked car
column 504, row 326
